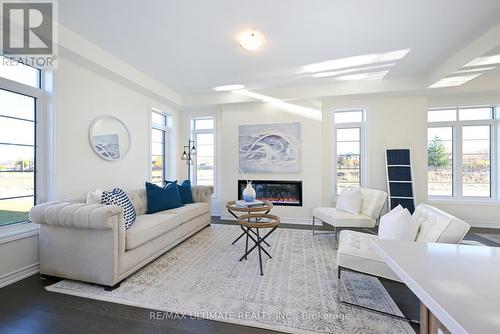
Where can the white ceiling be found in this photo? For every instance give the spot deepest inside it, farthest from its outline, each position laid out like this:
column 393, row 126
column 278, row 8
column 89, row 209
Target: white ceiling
column 191, row 46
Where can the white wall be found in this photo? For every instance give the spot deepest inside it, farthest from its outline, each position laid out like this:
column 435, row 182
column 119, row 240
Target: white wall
column 261, row 113
column 70, row 168
column 81, row 95
column 390, row 123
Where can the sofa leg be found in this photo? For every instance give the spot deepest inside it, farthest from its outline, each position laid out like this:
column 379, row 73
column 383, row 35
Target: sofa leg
column 112, row 287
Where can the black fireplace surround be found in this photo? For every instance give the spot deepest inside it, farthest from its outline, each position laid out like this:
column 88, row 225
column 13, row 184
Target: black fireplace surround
column 284, row 193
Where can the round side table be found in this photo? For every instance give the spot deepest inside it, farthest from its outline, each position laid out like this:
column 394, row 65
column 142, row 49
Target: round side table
column 249, row 222
column 234, row 209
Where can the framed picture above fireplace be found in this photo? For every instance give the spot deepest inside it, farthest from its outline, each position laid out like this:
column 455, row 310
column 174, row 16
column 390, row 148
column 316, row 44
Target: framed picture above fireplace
column 269, row 148
column 285, row 193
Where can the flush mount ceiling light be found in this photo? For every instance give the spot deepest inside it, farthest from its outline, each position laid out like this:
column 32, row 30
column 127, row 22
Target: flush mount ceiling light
column 251, row 40
column 228, row 88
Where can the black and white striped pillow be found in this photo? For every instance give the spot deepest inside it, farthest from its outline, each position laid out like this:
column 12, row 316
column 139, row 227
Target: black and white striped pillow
column 118, row 197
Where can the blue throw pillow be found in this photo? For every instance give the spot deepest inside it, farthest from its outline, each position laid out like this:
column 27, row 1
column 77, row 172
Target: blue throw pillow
column 185, row 191
column 162, row 198
column 119, row 197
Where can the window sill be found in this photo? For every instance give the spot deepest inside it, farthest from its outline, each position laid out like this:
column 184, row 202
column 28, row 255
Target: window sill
column 450, row 201
column 17, row 231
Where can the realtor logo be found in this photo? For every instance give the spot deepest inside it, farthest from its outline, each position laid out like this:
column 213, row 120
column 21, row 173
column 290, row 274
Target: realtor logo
column 29, row 29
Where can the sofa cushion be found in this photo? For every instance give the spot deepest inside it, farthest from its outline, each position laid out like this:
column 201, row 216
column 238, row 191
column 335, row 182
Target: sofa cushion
column 398, row 224
column 185, row 190
column 150, row 226
column 355, row 252
column 341, row 218
column 119, row 198
column 349, row 200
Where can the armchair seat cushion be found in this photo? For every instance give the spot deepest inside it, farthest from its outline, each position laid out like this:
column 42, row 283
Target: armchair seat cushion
column 150, row 226
column 355, row 252
column 341, row 218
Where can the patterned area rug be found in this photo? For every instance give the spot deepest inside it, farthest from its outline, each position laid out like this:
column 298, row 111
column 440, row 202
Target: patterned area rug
column 490, row 236
column 203, row 278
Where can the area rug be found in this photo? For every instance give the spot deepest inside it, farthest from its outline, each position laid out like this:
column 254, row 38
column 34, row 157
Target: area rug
column 203, row 278
column 490, row 236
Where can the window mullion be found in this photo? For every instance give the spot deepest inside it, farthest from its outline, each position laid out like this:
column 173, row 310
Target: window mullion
column 458, row 173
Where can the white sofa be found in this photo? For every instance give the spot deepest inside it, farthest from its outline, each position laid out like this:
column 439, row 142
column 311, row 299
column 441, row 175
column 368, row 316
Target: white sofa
column 355, row 251
column 88, row 242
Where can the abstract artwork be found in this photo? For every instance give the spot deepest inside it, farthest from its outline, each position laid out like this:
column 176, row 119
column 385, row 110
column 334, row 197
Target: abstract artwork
column 269, row 148
column 107, row 146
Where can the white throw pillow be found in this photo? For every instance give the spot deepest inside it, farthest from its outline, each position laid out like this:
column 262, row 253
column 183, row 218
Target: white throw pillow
column 94, row 197
column 398, row 224
column 349, row 200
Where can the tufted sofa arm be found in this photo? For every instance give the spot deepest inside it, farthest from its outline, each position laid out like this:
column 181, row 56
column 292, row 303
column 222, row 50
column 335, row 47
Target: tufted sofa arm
column 77, row 215
column 202, row 193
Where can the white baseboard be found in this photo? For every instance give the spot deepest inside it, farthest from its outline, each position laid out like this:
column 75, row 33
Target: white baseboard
column 284, row 220
column 19, row 274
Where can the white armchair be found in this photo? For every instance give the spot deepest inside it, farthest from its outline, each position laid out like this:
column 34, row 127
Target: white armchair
column 355, row 252
column 372, row 203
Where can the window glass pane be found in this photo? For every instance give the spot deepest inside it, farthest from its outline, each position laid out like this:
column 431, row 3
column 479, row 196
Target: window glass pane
column 157, row 136
column 348, row 158
column 348, row 116
column 476, row 132
column 348, row 148
column 205, row 150
column 15, row 210
column 205, row 139
column 475, row 114
column 157, row 148
column 157, row 118
column 158, row 145
column 16, row 105
column 442, row 115
column 21, row 73
column 17, row 158
column 15, row 131
column 440, row 161
column 157, row 169
column 204, row 124
column 348, row 134
column 15, row 184
column 476, row 176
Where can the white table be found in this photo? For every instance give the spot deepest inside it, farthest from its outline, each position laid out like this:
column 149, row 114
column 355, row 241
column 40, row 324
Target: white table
column 459, row 284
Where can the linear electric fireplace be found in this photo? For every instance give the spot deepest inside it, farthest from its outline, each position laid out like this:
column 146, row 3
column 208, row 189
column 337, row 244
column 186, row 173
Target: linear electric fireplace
column 286, row 193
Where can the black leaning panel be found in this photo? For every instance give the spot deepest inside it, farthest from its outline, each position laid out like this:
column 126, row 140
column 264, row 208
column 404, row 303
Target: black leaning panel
column 401, row 189
column 398, row 157
column 399, row 173
column 405, row 203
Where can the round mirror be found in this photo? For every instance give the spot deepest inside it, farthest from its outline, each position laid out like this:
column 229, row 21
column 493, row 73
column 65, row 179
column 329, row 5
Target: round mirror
column 109, row 138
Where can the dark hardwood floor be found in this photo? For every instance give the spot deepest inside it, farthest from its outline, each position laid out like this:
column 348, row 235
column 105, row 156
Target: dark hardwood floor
column 26, row 307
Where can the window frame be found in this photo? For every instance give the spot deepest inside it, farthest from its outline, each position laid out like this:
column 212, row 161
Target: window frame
column 194, row 133
column 362, row 146
column 38, row 136
column 165, row 129
column 457, row 153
